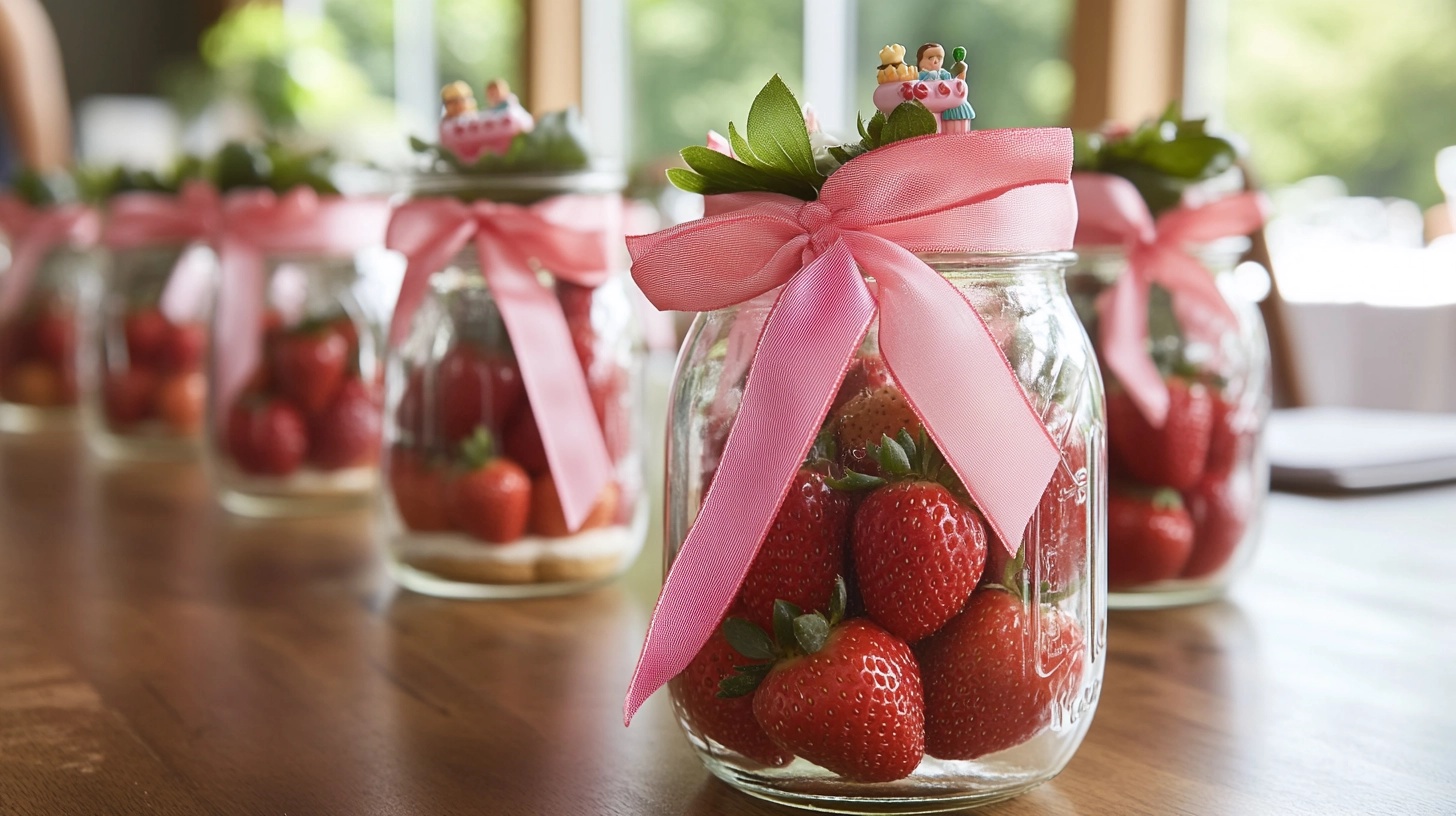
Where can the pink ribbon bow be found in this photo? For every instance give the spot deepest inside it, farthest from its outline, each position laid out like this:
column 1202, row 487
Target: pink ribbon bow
column 34, row 232
column 253, row 224
column 1112, row 212
column 986, row 191
column 144, row 219
column 567, row 236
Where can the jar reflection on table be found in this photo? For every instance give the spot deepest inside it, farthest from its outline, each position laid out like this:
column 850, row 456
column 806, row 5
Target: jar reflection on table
column 146, row 389
column 301, row 436
column 1186, row 500
column 39, row 388
column 1039, row 618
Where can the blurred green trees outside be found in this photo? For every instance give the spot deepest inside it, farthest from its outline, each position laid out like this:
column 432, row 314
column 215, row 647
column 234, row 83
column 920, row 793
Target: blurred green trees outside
column 1361, row 90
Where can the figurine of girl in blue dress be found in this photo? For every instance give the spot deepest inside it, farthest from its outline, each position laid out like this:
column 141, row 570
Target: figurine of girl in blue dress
column 930, row 57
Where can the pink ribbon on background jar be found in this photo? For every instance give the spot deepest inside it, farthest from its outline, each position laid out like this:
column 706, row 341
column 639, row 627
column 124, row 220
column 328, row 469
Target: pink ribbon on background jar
column 987, row 191
column 569, row 237
column 137, row 220
column 34, row 232
column 1111, row 212
column 252, row 224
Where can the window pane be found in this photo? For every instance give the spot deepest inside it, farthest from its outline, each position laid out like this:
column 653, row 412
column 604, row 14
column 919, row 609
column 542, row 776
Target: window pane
column 479, row 40
column 1018, row 74
column 697, row 65
column 1360, row 90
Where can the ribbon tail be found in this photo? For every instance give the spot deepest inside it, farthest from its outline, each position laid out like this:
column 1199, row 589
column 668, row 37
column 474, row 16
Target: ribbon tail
column 816, row 325
column 958, row 380
column 1123, row 340
column 422, row 262
column 554, row 380
column 239, row 321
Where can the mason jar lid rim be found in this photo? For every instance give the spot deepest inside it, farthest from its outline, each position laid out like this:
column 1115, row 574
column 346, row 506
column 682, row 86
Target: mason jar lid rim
column 592, row 180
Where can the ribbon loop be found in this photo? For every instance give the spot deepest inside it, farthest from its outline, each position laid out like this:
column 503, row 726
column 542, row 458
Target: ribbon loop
column 35, row 232
column 872, row 215
column 1112, row 212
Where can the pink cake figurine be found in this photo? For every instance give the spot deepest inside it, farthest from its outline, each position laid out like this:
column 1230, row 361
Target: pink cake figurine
column 941, row 92
column 470, row 132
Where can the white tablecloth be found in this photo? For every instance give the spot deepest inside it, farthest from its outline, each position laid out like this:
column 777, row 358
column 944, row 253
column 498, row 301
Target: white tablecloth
column 1361, row 355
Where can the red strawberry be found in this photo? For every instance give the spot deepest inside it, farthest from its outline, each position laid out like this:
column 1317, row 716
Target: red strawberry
column 854, row 705
column 1149, row 537
column 862, row 421
column 865, row 374
column 266, row 436
column 1226, row 441
column 420, row 491
column 186, row 345
column 803, row 552
column 55, row 336
column 477, row 387
column 548, row 519
column 34, row 383
column 347, row 432
column 844, row 695
column 995, row 672
column 1173, row 455
column 1056, row 541
column 727, row 721
column 181, row 400
column 1221, row 511
column 491, row 500
column 918, row 551
column 147, row 332
column 522, row 442
column 309, row 366
column 128, row 395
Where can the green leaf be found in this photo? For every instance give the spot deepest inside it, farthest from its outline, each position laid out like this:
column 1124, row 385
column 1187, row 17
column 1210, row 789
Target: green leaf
column 743, row 683
column 876, row 127
column 688, row 180
column 777, row 134
column 853, row 482
column 844, row 153
column 725, row 174
column 907, row 121
column 784, row 614
column 859, row 123
column 906, row 443
column 739, row 144
column 748, row 639
column 825, row 448
column 891, row 456
column 838, row 600
column 419, row 145
column 810, row 632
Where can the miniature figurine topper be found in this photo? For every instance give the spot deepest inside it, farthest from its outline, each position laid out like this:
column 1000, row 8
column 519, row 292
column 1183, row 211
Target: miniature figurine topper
column 892, row 65
column 943, row 93
column 458, row 98
column 469, row 132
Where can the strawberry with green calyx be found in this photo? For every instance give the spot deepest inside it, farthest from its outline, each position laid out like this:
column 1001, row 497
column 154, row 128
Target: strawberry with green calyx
column 995, row 673
column 918, row 549
column 491, row 499
column 266, row 435
column 727, row 721
column 309, row 364
column 844, row 695
column 863, row 420
column 805, row 549
column 1149, row 536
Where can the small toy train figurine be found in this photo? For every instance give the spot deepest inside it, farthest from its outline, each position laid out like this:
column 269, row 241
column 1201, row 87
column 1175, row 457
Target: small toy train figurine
column 468, row 131
column 943, row 92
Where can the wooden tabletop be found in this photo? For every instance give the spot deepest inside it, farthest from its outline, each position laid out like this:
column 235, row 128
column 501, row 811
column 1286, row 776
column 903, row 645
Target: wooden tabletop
column 158, row 656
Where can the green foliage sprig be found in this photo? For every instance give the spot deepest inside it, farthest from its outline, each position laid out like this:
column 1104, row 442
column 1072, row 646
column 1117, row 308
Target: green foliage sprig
column 557, row 144
column 270, row 166
column 1162, row 158
column 774, row 154
column 51, row 188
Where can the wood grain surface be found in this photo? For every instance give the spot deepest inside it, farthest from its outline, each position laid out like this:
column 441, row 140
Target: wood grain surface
column 158, row 656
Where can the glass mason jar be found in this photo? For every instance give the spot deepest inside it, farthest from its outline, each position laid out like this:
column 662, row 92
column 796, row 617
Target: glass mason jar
column 459, row 421
column 38, row 349
column 1011, row 670
column 1184, row 508
column 302, row 436
column 146, row 392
